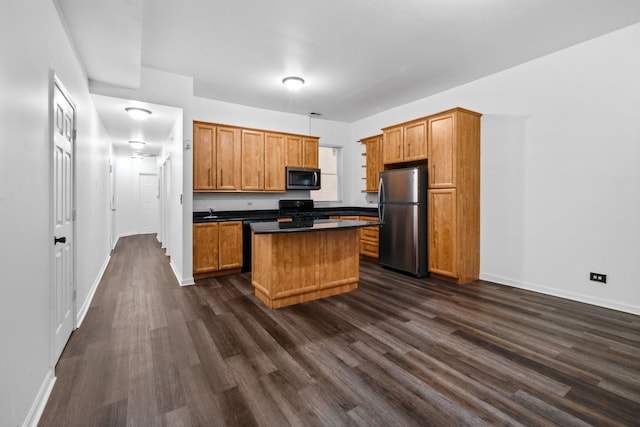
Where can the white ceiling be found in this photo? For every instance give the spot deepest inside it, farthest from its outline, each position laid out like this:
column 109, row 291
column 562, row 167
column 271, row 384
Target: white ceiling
column 122, row 128
column 358, row 57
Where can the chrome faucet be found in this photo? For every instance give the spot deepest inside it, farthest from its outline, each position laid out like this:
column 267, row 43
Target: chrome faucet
column 210, row 211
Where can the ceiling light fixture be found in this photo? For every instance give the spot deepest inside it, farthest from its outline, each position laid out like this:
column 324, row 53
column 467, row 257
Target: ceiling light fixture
column 138, row 113
column 292, row 82
column 137, row 145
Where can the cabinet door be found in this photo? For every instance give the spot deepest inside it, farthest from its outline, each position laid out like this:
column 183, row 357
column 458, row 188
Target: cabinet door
column 204, row 157
column 252, row 160
column 230, row 245
column 275, row 154
column 442, row 232
column 205, row 247
column 294, row 151
column 442, row 151
column 228, row 152
column 392, row 147
column 415, row 141
column 310, row 152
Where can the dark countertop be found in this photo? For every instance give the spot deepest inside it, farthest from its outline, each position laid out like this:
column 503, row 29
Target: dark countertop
column 305, row 226
column 272, row 215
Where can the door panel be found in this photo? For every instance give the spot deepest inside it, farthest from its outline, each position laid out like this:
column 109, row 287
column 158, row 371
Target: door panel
column 148, row 187
column 63, row 265
column 442, row 152
column 399, row 237
column 400, row 186
column 442, row 220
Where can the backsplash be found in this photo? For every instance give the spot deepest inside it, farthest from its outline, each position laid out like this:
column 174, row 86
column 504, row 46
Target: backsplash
column 243, row 201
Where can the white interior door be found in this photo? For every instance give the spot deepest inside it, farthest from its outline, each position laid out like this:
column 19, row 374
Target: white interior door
column 64, row 125
column 149, row 203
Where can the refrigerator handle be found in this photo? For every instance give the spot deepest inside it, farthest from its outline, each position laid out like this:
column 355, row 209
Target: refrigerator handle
column 380, row 199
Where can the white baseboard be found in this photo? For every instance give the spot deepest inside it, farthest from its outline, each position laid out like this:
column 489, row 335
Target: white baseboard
column 614, row 305
column 182, row 282
column 40, row 402
column 82, row 312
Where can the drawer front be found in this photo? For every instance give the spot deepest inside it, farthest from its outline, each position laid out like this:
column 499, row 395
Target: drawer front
column 370, row 233
column 368, row 249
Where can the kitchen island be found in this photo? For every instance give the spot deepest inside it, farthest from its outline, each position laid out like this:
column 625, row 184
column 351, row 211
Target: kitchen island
column 301, row 261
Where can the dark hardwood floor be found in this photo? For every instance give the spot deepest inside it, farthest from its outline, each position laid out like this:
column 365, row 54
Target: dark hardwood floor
column 398, row 351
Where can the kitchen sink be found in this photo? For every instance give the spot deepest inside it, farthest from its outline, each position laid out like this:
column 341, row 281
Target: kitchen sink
column 210, row 217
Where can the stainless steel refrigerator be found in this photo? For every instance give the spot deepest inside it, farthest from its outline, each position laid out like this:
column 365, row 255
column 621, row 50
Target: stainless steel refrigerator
column 402, row 207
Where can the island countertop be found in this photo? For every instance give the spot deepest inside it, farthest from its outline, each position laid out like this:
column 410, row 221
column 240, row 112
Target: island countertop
column 311, row 225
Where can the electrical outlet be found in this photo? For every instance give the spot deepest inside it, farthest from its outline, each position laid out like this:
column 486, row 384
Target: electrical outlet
column 598, row 277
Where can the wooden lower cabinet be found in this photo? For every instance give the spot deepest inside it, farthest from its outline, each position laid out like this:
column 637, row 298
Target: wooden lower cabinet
column 441, row 229
column 369, row 238
column 217, row 249
column 230, row 236
column 290, row 268
column 205, row 248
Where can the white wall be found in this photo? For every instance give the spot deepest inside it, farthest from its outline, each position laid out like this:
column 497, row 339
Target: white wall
column 26, row 369
column 127, row 190
column 560, row 181
column 170, row 157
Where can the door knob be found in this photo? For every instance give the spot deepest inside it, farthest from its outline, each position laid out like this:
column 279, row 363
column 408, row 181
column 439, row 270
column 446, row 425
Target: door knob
column 59, row 240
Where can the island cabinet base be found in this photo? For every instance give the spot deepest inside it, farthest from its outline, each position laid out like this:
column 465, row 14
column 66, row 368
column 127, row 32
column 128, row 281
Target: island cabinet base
column 290, row 268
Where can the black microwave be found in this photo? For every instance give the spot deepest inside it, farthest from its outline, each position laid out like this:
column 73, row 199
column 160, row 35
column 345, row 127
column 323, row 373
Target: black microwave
column 303, row 178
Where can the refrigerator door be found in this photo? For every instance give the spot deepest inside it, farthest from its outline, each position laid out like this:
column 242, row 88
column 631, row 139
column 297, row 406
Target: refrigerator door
column 400, row 238
column 400, row 186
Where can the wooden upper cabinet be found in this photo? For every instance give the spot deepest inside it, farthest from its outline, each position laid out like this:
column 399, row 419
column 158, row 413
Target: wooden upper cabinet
column 415, row 141
column 253, row 153
column 275, row 156
column 392, row 145
column 294, row 151
column 374, row 165
column 442, row 151
column 205, row 247
column 229, row 156
column 230, row 238
column 310, row 152
column 405, row 142
column 302, row 151
column 204, row 157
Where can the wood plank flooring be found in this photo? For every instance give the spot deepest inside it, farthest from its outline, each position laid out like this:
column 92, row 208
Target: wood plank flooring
column 398, row 351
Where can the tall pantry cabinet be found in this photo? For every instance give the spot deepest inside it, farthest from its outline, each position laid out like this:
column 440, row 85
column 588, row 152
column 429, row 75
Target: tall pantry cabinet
column 453, row 195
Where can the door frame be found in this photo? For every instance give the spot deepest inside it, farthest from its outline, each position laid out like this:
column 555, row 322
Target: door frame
column 53, row 82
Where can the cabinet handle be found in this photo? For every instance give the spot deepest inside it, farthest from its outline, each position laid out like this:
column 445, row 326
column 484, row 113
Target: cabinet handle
column 221, row 177
column 209, row 176
column 408, row 149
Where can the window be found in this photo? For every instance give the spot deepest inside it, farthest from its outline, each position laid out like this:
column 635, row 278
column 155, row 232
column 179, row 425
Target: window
column 330, row 163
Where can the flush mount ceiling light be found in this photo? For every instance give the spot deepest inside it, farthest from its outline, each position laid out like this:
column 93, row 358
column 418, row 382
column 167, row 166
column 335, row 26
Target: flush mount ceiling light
column 137, row 145
column 292, row 82
column 138, row 113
